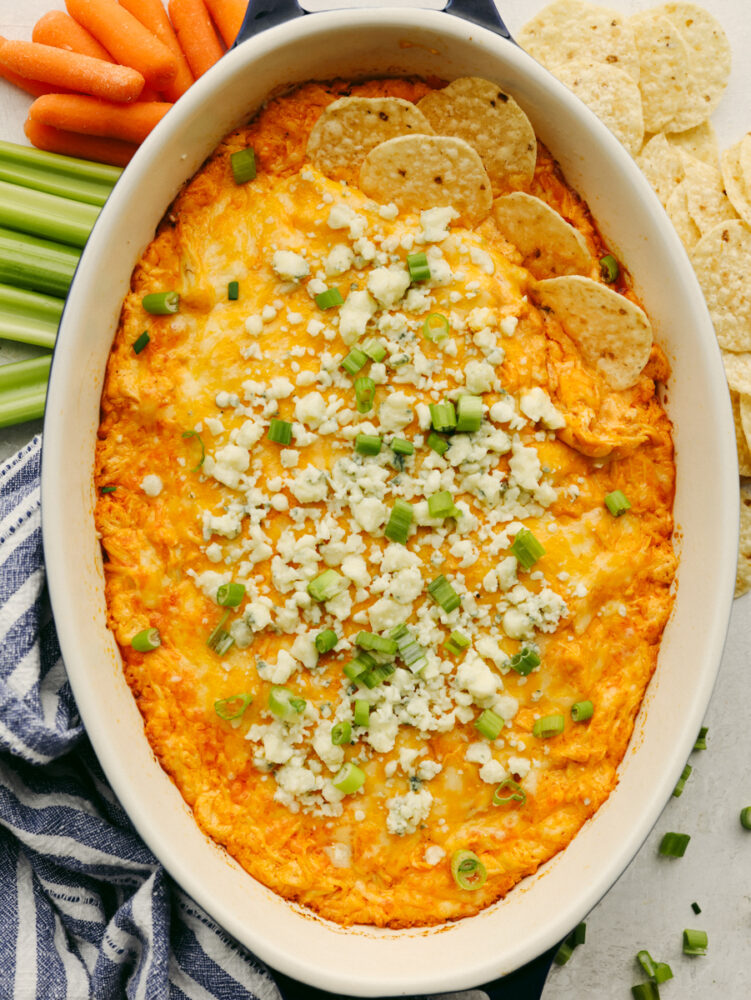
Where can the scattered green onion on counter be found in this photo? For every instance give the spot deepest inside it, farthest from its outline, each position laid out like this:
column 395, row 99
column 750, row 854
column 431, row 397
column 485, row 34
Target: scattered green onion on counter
column 673, row 845
column 695, row 942
column 645, row 991
column 701, row 739
column 658, row 972
column 745, row 818
column 681, row 783
column 577, row 936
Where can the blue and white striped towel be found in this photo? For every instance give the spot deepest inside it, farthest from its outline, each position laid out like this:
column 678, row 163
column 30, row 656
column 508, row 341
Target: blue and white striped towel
column 85, row 908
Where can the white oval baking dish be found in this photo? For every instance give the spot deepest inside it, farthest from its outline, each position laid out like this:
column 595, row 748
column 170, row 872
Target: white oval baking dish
column 540, row 911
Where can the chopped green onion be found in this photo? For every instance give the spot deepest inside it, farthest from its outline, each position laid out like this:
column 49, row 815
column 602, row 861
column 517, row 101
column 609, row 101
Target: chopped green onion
column 233, row 707
column 361, row 712
column 36, row 265
column 564, row 953
column 582, row 710
column 161, row 303
column 230, row 595
column 442, row 505
column 489, row 724
column 107, row 489
column 609, row 268
column 526, row 548
column 29, row 317
column 243, row 164
column 525, row 660
column 376, row 675
column 368, row 444
column 673, row 845
column 617, row 503
column 695, row 942
column 326, row 585
column 197, row 436
column 645, row 991
column 701, row 739
column 745, row 817
column 284, row 703
column 696, row 908
column 400, row 446
column 23, row 389
column 410, row 650
column 331, row 297
column 67, row 176
column 376, row 643
column 456, row 643
column 659, row 972
column 439, row 445
column 549, row 725
column 681, row 783
column 354, row 361
column 280, row 431
column 233, row 291
column 374, row 349
column 361, row 664
column 141, row 341
column 467, row 870
column 517, row 793
column 577, row 936
column 326, row 641
column 663, row 972
column 341, row 733
column 443, row 416
column 469, row 414
column 364, row 393
column 419, row 269
column 436, row 328
column 39, row 213
column 443, row 593
column 349, row 778
column 220, row 641
column 146, row 640
column 398, row 524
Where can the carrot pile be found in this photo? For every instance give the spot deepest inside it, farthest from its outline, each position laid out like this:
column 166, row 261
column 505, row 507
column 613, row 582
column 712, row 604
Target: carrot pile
column 107, row 71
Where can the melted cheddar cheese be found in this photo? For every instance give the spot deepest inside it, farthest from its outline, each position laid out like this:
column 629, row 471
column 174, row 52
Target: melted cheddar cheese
column 553, row 442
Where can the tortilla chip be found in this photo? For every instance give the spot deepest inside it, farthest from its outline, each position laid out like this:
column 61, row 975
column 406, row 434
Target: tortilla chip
column 708, row 204
column 570, row 30
column 613, row 335
column 734, row 178
column 548, row 244
column 491, row 121
column 743, row 578
column 664, row 78
column 678, row 213
column 709, row 61
column 350, row 127
column 662, row 165
column 742, row 419
column 720, row 260
column 738, row 371
column 699, row 142
column 423, row 171
column 613, row 96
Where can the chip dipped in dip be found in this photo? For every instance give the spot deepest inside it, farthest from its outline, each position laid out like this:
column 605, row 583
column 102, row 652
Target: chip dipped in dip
column 385, row 497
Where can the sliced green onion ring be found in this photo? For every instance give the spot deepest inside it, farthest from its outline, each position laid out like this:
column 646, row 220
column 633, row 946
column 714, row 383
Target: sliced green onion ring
column 549, row 725
column 645, row 991
column 140, row 342
column 617, row 503
column 443, row 416
column 673, row 845
column 199, row 439
column 525, row 661
column 361, row 712
column 326, row 585
column 349, row 779
column 701, row 739
column 467, row 870
column 745, row 817
column 161, row 303
column 442, row 505
column 582, row 710
column 220, row 641
column 443, row 593
column 341, row 733
column 232, row 708
column 419, row 269
column 364, row 393
column 438, row 444
column 284, row 703
column 146, row 641
column 436, row 328
column 400, row 446
column 456, row 643
column 376, row 643
column 681, row 783
column 243, row 164
column 399, row 522
column 489, row 724
column 468, row 414
column 695, row 942
column 374, row 349
column 354, row 361
column 328, row 299
column 526, row 548
column 368, row 444
column 326, row 641
column 517, row 793
column 609, row 268
column 280, row 431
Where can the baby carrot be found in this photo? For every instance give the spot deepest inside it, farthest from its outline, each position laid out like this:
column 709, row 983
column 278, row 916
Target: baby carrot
column 228, row 16
column 69, row 69
column 76, row 113
column 196, row 34
column 86, row 147
column 59, row 29
column 126, row 38
column 152, row 15
column 33, row 87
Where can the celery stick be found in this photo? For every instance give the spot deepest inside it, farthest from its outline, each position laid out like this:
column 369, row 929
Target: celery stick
column 28, row 317
column 23, row 388
column 67, row 176
column 46, row 215
column 39, row 265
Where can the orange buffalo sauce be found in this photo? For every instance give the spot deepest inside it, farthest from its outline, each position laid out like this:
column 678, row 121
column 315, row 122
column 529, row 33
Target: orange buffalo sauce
column 204, row 498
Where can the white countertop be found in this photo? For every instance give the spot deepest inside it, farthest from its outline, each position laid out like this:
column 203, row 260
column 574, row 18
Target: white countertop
column 650, row 905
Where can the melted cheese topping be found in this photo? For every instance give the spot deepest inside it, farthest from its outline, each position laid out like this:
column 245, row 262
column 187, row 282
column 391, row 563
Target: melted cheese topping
column 554, row 441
